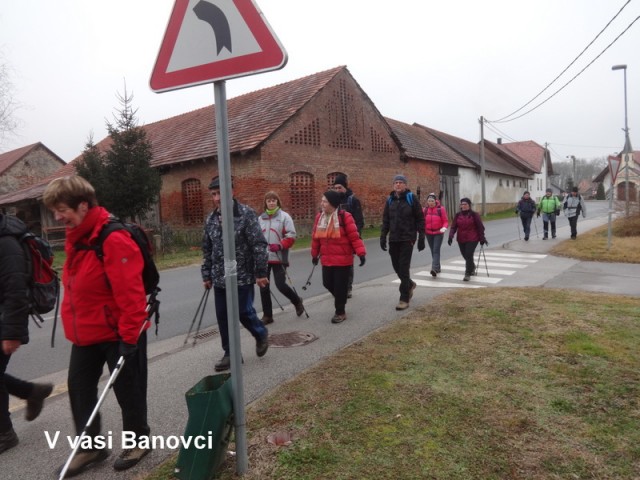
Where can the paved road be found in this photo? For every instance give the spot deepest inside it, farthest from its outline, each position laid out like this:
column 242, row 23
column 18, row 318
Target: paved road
column 175, row 368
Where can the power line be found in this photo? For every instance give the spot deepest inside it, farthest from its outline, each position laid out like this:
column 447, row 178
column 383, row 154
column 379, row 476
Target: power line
column 570, row 81
column 569, row 66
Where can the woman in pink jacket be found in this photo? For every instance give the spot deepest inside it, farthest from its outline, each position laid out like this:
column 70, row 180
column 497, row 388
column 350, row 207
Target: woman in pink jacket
column 435, row 224
column 335, row 239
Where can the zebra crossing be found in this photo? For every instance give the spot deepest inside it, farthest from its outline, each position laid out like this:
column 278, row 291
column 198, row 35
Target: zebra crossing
column 500, row 265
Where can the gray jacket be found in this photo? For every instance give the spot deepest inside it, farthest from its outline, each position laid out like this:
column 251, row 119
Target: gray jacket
column 251, row 247
column 574, row 206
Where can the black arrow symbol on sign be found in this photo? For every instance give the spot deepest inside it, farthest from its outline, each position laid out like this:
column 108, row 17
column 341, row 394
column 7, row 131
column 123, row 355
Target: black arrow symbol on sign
column 215, row 17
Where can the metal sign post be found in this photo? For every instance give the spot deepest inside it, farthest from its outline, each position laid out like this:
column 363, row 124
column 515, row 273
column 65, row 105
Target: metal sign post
column 614, row 164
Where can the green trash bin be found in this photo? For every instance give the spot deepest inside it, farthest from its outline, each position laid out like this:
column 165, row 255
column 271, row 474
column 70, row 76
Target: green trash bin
column 210, row 406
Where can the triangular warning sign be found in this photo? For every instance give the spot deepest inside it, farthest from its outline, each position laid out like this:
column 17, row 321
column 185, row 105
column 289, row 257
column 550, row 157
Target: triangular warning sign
column 210, row 40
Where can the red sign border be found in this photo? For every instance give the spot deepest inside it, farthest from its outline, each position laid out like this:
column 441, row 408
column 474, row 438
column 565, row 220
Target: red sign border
column 272, row 56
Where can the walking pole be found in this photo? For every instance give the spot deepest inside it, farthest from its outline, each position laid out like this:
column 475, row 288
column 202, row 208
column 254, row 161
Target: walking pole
column 485, row 260
column 205, row 297
column 112, row 380
column 195, row 337
column 276, row 299
column 536, row 226
column 309, row 279
column 292, row 286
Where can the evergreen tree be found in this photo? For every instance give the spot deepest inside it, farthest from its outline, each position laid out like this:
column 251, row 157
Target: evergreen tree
column 124, row 180
column 600, row 195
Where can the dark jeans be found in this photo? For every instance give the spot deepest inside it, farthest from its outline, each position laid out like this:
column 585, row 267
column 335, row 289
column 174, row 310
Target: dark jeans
column 435, row 242
column 10, row 386
column 279, row 276
column 130, row 388
column 400, row 253
column 336, row 280
column 248, row 316
column 573, row 223
column 467, row 250
column 526, row 224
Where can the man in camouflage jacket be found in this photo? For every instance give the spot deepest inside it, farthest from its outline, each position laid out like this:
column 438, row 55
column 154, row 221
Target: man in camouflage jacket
column 251, row 267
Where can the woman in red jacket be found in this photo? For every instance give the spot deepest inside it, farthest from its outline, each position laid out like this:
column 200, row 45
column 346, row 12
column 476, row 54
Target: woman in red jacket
column 335, row 239
column 103, row 315
column 470, row 230
column 435, row 224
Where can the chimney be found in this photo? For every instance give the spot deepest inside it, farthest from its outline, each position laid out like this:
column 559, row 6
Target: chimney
column 499, row 141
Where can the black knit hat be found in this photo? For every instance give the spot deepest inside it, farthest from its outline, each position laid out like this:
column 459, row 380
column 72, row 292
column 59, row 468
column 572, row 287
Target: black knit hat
column 215, row 183
column 341, row 180
column 333, row 198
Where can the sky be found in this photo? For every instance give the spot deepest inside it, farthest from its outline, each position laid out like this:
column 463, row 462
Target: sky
column 440, row 64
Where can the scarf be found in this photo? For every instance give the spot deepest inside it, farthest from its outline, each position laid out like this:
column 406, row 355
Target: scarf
column 328, row 226
column 271, row 213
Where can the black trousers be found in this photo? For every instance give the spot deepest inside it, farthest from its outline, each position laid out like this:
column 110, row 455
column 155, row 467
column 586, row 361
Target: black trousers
column 130, row 388
column 280, row 277
column 10, row 385
column 336, row 280
column 400, row 253
column 468, row 249
column 573, row 223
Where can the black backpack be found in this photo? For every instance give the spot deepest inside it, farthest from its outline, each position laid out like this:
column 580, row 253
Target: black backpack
column 43, row 280
column 150, row 275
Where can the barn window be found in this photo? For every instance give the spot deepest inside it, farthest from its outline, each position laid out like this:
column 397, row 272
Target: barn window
column 303, row 202
column 192, row 209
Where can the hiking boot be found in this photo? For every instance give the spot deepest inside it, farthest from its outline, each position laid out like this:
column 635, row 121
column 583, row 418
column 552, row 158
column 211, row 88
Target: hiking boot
column 83, row 460
column 8, row 440
column 526, row 239
column 545, row 237
column 433, row 273
column 262, row 346
column 35, row 402
column 266, row 319
column 553, row 236
column 339, row 318
column 467, row 277
column 402, row 305
column 413, row 287
column 129, row 458
column 299, row 308
column 223, row 364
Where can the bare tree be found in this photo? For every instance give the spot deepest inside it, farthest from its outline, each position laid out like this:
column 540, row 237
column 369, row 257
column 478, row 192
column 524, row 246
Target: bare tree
column 8, row 105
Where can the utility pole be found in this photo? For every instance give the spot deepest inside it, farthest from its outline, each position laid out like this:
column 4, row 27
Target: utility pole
column 484, row 195
column 627, row 151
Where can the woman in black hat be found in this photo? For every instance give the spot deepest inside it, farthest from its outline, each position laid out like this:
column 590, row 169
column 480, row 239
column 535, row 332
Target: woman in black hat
column 335, row 239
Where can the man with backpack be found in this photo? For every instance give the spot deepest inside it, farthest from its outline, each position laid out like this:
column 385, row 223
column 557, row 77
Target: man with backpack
column 104, row 317
column 349, row 203
column 549, row 206
column 574, row 206
column 14, row 331
column 403, row 222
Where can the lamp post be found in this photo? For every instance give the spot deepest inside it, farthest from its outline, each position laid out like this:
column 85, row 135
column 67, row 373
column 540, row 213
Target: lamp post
column 573, row 159
column 626, row 152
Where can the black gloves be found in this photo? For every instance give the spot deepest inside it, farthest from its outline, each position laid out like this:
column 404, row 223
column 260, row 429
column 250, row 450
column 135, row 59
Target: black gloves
column 314, row 260
column 538, row 213
column 516, row 212
column 127, row 350
column 484, row 242
column 383, row 243
column 362, row 260
column 421, row 243
column 450, row 241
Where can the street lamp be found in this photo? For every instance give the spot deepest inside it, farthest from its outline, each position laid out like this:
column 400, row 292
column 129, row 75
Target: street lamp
column 627, row 150
column 573, row 158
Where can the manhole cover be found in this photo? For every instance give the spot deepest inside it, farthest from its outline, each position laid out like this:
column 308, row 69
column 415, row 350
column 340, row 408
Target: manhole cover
column 290, row 339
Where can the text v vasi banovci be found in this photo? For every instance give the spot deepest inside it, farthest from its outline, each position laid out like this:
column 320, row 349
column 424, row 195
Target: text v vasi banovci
column 131, row 440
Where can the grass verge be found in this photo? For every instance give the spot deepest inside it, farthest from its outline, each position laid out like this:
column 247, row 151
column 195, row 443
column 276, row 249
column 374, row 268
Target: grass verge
column 551, row 391
column 594, row 245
